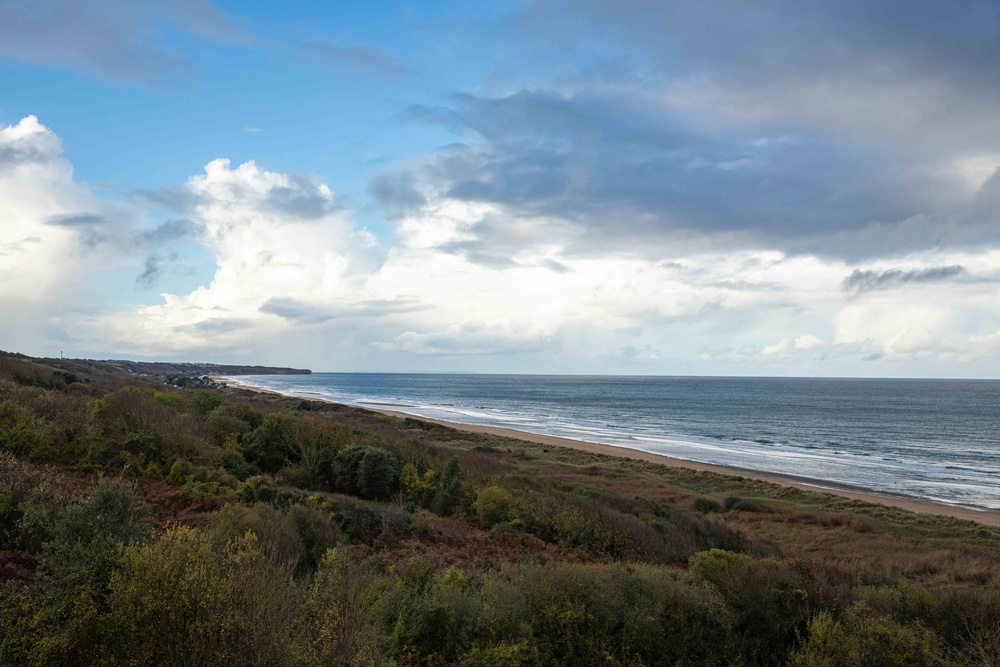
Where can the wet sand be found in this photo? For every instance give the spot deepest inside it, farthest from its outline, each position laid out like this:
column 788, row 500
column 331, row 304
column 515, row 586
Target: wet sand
column 986, row 517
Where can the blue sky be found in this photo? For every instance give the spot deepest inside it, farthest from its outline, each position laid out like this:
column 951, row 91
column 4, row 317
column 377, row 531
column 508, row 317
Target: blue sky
column 787, row 188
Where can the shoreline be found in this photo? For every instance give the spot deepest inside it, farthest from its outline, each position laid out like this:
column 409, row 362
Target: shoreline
column 917, row 505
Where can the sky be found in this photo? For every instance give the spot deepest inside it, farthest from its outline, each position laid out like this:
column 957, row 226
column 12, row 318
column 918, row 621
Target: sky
column 665, row 187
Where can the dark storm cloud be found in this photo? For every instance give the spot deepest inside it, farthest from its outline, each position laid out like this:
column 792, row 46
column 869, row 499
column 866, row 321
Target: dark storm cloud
column 358, row 59
column 867, row 281
column 107, row 39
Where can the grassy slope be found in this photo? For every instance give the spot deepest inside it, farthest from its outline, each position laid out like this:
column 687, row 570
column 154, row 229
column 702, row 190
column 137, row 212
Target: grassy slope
column 550, row 505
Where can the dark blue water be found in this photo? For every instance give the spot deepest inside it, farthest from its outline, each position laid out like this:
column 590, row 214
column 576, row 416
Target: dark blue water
column 932, row 439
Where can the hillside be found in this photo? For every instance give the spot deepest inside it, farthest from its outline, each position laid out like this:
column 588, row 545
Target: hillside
column 149, row 525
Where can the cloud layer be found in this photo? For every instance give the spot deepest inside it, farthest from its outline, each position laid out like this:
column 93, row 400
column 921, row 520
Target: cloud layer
column 686, row 187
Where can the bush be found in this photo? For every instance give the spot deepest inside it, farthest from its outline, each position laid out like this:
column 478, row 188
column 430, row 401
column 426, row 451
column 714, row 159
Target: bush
column 707, row 505
column 203, row 401
column 209, row 606
column 339, row 616
column 368, row 472
column 419, row 489
column 58, row 617
column 272, row 444
column 734, row 503
column 448, row 495
column 863, row 638
column 224, row 427
column 256, row 489
column 17, row 428
column 493, row 505
column 768, row 599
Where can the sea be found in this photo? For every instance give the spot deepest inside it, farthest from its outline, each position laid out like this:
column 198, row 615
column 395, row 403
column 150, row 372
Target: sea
column 937, row 440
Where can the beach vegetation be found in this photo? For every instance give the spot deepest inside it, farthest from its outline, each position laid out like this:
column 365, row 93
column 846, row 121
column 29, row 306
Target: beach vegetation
column 143, row 524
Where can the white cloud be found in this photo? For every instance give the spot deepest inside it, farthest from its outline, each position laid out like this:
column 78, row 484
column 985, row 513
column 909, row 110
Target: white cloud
column 296, row 280
column 47, row 221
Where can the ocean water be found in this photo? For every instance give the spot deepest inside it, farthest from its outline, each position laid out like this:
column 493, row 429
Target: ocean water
column 933, row 439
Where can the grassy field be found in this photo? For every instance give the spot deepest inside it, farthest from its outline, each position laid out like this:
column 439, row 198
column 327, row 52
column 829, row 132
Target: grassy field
column 143, row 524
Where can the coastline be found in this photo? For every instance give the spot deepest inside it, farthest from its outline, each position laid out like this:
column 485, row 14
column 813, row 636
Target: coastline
column 985, row 517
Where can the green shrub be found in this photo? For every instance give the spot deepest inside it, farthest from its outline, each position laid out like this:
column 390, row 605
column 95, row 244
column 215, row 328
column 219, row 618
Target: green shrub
column 203, row 401
column 769, row 601
column 272, row 444
column 368, row 472
column 209, row 606
column 339, row 617
column 863, row 638
column 256, row 489
column 449, row 491
column 225, row 427
column 734, row 503
column 57, row 618
column 237, row 466
column 584, row 615
column 494, row 505
column 707, row 505
column 419, row 489
column 239, row 412
column 17, row 429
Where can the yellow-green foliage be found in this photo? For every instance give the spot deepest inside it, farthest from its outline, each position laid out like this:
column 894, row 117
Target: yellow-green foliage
column 178, row 601
column 864, row 638
column 494, row 505
column 339, row 617
column 417, row 488
column 769, row 600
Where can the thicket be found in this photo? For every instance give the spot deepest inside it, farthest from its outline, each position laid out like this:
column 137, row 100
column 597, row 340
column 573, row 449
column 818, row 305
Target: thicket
column 327, row 536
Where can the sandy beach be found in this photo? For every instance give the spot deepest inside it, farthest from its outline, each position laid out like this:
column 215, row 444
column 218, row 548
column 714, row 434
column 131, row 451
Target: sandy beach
column 986, row 517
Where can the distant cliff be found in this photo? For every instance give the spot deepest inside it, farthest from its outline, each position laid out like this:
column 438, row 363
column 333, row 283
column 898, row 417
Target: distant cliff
column 162, row 369
column 169, row 368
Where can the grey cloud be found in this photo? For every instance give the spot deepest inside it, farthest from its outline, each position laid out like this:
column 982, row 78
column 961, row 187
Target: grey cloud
column 92, row 230
column 553, row 265
column 77, row 221
column 868, row 281
column 467, row 339
column 107, row 39
column 14, row 154
column 152, row 271
column 21, row 245
column 357, row 59
column 206, row 19
column 784, row 57
column 219, row 325
column 169, row 231
column 306, row 313
column 396, row 191
column 816, row 127
column 302, row 199
column 623, row 172
column 295, row 310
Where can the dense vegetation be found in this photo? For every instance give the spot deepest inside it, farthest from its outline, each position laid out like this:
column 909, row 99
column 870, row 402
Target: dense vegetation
column 145, row 525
